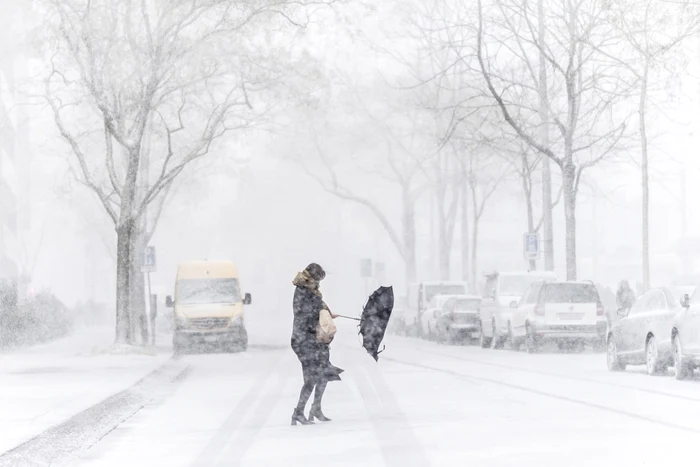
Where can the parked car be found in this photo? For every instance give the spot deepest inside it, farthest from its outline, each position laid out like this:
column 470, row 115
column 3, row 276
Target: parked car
column 500, row 290
column 428, row 319
column 459, row 319
column 564, row 312
column 685, row 336
column 642, row 335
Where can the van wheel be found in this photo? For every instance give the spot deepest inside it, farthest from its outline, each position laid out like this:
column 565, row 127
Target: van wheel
column 531, row 343
column 514, row 343
column 484, row 342
column 498, row 341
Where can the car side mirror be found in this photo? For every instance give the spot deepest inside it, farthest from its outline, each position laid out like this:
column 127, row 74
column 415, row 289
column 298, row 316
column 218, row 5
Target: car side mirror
column 514, row 304
column 247, row 299
column 169, row 303
column 685, row 301
column 622, row 312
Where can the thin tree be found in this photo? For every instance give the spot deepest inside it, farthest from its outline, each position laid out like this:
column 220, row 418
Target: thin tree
column 184, row 74
column 583, row 87
column 653, row 30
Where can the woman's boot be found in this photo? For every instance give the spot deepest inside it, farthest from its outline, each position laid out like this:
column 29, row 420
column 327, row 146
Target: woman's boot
column 317, row 414
column 298, row 416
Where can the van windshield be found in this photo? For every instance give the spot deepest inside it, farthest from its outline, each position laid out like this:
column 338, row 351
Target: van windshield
column 204, row 291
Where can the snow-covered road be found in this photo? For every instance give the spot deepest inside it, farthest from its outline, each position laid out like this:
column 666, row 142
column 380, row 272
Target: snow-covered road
column 422, row 405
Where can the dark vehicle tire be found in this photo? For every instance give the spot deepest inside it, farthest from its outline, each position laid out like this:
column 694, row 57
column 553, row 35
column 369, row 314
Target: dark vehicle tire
column 613, row 359
column 484, row 342
column 498, row 341
column 532, row 344
column 654, row 365
column 512, row 341
column 681, row 369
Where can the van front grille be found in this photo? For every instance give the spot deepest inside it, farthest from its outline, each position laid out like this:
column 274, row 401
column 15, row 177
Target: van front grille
column 209, row 323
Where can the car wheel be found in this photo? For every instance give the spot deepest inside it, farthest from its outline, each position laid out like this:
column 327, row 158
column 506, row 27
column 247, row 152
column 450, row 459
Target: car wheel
column 531, row 343
column 512, row 341
column 484, row 342
column 498, row 341
column 652, row 357
column 613, row 358
column 681, row 369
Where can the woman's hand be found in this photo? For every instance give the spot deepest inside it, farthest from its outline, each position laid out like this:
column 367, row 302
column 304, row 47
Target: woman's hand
column 333, row 315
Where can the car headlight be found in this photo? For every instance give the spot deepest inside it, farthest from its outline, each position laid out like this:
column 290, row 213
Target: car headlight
column 180, row 322
column 236, row 321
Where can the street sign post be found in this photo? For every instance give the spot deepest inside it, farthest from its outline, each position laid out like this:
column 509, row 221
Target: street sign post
column 531, row 246
column 379, row 270
column 148, row 261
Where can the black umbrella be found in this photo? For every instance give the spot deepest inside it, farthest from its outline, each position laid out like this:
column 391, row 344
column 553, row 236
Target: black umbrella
column 375, row 318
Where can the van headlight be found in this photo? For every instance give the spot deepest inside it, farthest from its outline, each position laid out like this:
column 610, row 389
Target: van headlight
column 180, row 322
column 236, row 322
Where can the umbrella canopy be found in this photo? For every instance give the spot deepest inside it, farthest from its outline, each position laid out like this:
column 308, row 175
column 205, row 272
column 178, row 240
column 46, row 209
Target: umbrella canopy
column 375, row 318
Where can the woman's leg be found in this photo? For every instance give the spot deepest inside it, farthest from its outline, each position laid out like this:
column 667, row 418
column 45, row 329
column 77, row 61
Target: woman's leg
column 318, row 395
column 304, row 395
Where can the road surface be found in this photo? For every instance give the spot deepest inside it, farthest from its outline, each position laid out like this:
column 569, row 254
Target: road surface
column 423, row 404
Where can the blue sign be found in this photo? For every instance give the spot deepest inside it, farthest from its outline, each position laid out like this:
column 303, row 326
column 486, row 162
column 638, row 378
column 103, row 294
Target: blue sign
column 149, row 258
column 531, row 246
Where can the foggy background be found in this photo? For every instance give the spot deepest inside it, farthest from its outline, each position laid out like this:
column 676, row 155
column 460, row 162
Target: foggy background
column 254, row 202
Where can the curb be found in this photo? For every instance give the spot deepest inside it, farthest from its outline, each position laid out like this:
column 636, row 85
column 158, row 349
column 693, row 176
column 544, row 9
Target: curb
column 56, row 445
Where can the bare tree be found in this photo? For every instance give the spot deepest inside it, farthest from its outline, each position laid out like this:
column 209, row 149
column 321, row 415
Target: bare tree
column 392, row 155
column 484, row 174
column 652, row 30
column 184, row 74
column 583, row 86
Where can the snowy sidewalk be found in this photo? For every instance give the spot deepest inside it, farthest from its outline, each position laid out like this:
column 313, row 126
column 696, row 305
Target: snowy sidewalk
column 47, row 384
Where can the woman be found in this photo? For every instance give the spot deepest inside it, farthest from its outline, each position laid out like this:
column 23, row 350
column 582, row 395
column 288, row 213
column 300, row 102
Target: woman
column 314, row 356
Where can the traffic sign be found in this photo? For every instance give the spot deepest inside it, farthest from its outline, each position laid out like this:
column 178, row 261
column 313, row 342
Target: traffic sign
column 531, row 246
column 148, row 261
column 379, row 270
column 366, row 267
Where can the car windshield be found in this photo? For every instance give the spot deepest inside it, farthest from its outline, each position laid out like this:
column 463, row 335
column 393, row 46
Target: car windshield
column 204, row 291
column 432, row 290
column 467, row 304
column 516, row 286
column 571, row 293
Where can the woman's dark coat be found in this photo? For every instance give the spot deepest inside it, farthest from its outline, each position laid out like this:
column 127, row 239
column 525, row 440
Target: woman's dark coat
column 314, row 356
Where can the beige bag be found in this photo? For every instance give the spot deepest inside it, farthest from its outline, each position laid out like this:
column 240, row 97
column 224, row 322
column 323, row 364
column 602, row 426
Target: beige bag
column 325, row 330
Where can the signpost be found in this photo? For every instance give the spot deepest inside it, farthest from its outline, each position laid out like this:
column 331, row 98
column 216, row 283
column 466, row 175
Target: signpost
column 531, row 247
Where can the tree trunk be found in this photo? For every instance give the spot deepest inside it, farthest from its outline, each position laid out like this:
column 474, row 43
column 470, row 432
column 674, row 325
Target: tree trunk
column 137, row 290
column 123, row 324
column 527, row 190
column 569, row 188
column 465, row 231
column 409, row 234
column 646, row 270
column 544, row 140
column 475, row 260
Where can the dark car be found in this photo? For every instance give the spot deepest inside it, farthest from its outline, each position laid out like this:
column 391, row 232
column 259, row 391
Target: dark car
column 642, row 336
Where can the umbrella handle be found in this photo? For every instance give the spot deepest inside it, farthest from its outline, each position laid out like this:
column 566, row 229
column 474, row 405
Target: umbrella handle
column 348, row 317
